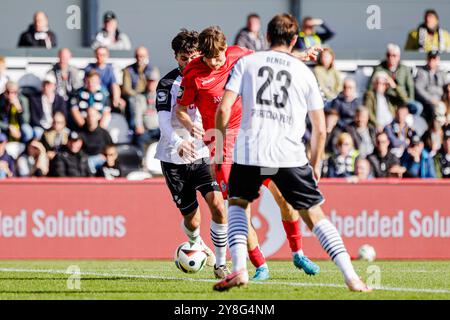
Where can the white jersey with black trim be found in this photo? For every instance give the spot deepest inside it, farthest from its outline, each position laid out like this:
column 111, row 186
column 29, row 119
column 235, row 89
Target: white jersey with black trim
column 277, row 92
column 172, row 131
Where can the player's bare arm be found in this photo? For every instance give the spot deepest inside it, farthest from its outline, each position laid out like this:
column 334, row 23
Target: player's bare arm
column 183, row 116
column 318, row 138
column 222, row 119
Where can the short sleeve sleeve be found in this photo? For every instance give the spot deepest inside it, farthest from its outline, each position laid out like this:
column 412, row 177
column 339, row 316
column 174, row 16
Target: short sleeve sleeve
column 187, row 92
column 314, row 99
column 235, row 80
column 163, row 95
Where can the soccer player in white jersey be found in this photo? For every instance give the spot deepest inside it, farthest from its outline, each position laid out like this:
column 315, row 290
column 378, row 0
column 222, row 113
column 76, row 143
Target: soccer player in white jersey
column 277, row 91
column 185, row 160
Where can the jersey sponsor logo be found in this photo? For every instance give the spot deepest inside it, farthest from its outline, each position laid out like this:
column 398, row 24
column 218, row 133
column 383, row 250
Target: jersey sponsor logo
column 217, row 100
column 205, row 82
column 162, row 96
column 180, row 92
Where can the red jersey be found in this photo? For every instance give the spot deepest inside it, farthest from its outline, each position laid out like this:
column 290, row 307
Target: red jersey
column 205, row 87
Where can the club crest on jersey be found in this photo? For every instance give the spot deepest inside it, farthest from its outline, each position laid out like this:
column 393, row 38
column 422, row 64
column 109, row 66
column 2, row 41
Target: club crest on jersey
column 162, row 96
column 180, row 93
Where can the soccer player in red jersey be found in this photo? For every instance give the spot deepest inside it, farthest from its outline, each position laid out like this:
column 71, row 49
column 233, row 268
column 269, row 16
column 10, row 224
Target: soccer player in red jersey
column 203, row 85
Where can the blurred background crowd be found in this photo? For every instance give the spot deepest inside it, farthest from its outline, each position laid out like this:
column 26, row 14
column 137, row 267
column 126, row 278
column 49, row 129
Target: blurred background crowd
column 83, row 122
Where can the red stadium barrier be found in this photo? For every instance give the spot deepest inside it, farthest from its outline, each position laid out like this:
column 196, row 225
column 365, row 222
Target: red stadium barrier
column 98, row 219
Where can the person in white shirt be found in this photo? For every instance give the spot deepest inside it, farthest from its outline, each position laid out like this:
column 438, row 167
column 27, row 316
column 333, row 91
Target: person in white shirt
column 278, row 91
column 110, row 36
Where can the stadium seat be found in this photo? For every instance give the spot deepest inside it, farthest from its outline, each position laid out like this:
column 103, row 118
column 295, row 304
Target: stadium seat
column 118, row 129
column 362, row 77
column 30, row 82
column 15, row 149
column 153, row 165
column 139, row 176
column 130, row 158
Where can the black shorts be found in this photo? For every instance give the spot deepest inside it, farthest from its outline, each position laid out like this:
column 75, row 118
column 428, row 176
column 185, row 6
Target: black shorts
column 297, row 185
column 184, row 180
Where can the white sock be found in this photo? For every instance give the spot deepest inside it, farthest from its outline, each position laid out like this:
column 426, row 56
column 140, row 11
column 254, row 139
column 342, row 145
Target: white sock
column 237, row 237
column 299, row 252
column 219, row 237
column 332, row 243
column 194, row 236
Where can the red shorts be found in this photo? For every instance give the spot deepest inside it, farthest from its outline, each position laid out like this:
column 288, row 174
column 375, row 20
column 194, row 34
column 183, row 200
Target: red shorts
column 223, row 171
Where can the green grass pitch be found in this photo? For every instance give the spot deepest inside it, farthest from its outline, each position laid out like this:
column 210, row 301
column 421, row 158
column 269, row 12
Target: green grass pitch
column 161, row 280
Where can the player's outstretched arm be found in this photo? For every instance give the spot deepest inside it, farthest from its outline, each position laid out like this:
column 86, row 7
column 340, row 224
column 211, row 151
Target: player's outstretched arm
column 222, row 119
column 318, row 137
column 183, row 116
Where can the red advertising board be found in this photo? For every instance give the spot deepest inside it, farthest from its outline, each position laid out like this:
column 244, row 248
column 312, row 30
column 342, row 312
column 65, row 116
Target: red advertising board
column 98, row 219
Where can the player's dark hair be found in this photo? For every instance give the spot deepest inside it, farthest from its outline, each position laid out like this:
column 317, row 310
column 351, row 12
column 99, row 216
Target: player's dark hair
column 185, row 42
column 212, row 41
column 282, row 29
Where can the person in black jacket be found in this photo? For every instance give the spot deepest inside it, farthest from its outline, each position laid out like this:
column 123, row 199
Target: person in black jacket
column 363, row 133
column 38, row 33
column 383, row 162
column 71, row 161
column 111, row 169
column 95, row 139
column 44, row 105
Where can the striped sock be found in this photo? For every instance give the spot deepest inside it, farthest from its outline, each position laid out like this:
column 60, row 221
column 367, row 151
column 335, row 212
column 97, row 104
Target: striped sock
column 237, row 237
column 332, row 243
column 219, row 237
column 194, row 236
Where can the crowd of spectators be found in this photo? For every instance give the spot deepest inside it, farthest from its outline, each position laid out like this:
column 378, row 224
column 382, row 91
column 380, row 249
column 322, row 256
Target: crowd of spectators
column 399, row 127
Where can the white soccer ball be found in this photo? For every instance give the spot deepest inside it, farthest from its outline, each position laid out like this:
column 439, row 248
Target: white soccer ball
column 367, row 252
column 190, row 257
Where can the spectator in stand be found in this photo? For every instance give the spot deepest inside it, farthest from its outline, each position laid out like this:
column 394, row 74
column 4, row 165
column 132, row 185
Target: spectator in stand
column 328, row 77
column 44, row 105
column 6, row 161
column 3, row 76
column 333, row 131
column 15, row 114
column 135, row 85
column 71, row 161
column 446, row 101
column 363, row 171
column 442, row 158
column 38, row 33
column 429, row 83
column 402, row 76
column 346, row 103
column 429, row 35
column 433, row 137
column 93, row 95
column 384, row 163
column 33, row 162
column 110, row 36
column 342, row 164
column 399, row 131
column 107, row 77
column 56, row 138
column 95, row 139
column 146, row 115
column 417, row 161
column 68, row 79
column 251, row 36
column 111, row 168
column 308, row 37
column 381, row 101
column 362, row 132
